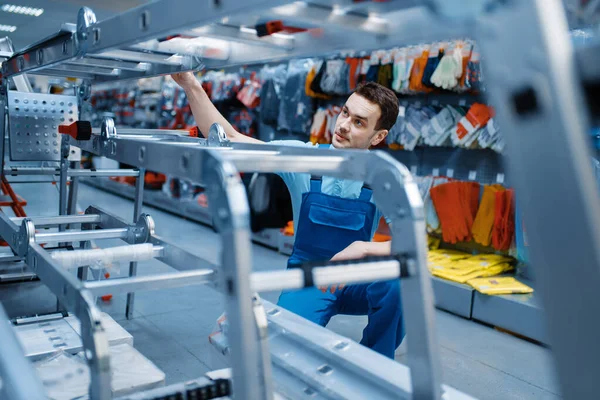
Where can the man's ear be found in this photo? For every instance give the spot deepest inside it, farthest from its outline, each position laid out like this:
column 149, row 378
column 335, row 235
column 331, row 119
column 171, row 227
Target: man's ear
column 379, row 137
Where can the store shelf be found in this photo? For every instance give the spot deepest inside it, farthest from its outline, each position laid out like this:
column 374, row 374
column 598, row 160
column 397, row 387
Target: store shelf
column 189, row 209
column 453, row 297
column 518, row 313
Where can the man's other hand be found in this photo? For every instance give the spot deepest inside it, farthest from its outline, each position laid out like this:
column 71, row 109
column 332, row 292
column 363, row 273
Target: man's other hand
column 355, row 251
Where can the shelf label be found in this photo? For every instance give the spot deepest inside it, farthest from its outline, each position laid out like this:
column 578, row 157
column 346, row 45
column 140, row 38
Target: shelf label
column 500, row 178
column 450, row 173
column 413, row 169
column 472, row 175
column 436, row 172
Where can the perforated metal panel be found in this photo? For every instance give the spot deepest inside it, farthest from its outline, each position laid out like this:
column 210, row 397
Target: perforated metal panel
column 33, row 124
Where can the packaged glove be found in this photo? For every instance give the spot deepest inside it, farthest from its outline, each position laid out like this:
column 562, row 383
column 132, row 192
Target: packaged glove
column 418, row 69
column 477, row 116
column 488, row 134
column 415, row 120
column 474, row 77
column 467, row 52
column 385, row 75
column 437, row 53
column 331, row 78
column 441, row 123
column 449, row 69
column 319, row 125
column 399, row 127
column 353, row 72
column 400, row 60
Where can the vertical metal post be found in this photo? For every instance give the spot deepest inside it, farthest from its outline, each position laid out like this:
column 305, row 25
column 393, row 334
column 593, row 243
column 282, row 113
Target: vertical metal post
column 531, row 76
column 64, row 169
column 137, row 211
column 73, row 190
column 4, row 123
column 229, row 205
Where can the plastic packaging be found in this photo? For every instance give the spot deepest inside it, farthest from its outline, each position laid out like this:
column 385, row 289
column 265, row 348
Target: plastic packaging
column 499, row 286
column 67, row 377
column 77, row 258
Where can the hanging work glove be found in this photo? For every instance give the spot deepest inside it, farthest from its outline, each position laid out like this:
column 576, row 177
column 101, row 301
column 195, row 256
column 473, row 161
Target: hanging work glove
column 418, row 69
column 449, row 69
column 477, row 116
column 331, row 79
column 317, row 131
column 385, row 74
column 399, row 69
column 415, row 119
column 398, row 128
column 436, row 55
column 473, row 76
column 438, row 126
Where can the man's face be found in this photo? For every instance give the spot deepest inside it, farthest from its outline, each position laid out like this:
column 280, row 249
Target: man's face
column 355, row 125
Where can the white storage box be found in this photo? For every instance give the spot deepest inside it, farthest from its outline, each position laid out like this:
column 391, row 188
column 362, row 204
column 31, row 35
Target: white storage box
column 44, row 338
column 67, row 377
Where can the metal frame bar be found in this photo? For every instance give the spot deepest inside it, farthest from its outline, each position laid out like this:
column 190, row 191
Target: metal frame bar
column 88, row 173
column 137, row 212
column 539, row 104
column 542, row 102
column 20, row 379
column 394, row 192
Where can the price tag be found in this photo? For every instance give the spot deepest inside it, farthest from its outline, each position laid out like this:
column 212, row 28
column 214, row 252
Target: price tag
column 500, row 178
column 472, row 175
column 413, row 169
column 462, row 102
column 436, row 172
column 402, row 111
column 450, row 173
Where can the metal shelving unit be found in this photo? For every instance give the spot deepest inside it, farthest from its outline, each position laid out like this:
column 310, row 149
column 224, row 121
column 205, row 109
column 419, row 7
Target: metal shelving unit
column 532, row 80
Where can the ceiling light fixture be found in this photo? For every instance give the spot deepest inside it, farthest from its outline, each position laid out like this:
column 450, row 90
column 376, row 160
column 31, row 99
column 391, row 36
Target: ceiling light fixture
column 11, row 8
column 8, row 28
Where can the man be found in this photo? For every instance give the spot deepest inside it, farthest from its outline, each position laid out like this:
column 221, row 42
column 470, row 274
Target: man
column 333, row 218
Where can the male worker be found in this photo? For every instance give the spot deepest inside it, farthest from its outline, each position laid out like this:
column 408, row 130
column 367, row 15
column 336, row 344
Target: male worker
column 333, row 218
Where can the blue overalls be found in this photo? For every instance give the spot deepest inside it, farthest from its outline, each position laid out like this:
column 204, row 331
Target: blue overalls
column 327, row 225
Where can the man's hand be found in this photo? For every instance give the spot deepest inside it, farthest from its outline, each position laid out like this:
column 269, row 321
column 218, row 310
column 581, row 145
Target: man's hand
column 185, row 79
column 355, row 251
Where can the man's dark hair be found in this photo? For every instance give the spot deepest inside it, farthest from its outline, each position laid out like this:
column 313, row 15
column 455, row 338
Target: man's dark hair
column 385, row 98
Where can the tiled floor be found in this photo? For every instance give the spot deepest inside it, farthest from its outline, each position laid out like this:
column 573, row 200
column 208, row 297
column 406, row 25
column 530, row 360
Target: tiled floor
column 171, row 326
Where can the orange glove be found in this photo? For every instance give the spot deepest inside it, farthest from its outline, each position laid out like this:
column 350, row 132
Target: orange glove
column 504, row 221
column 477, row 117
column 484, row 221
column 416, row 75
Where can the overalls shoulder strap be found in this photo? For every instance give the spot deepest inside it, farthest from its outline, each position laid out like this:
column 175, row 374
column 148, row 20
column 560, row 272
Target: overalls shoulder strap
column 365, row 193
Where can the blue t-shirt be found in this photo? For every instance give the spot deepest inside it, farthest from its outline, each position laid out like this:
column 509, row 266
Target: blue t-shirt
column 299, row 183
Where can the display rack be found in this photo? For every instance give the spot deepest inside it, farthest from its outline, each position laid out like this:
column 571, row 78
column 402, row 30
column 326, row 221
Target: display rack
column 532, row 80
